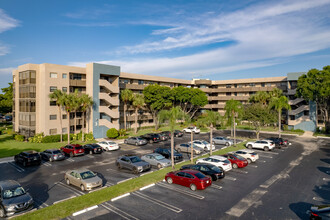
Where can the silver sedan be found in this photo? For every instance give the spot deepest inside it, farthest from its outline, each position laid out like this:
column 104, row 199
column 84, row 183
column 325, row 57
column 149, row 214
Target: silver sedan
column 156, row 160
column 83, row 178
column 222, row 140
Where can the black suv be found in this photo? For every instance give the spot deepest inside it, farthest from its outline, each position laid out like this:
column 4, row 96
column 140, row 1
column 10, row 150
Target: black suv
column 166, row 152
column 28, row 158
column 13, row 198
column 151, row 137
column 279, row 142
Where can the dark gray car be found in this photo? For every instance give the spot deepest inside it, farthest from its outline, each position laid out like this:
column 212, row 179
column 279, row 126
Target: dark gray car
column 13, row 198
column 52, row 155
column 135, row 141
column 133, row 163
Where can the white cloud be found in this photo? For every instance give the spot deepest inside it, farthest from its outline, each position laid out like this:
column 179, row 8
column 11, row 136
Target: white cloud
column 6, row 23
column 264, row 35
column 6, row 71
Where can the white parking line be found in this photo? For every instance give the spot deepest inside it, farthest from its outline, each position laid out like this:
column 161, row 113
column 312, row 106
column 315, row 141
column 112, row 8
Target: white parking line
column 109, row 184
column 326, row 179
column 84, row 210
column 97, row 189
column 75, row 191
column 119, row 197
column 262, row 161
column 230, row 178
column 266, row 156
column 70, row 159
column 146, row 187
column 19, row 169
column 40, row 204
column 251, row 165
column 240, row 171
column 158, row 202
column 47, row 164
column 180, row 190
column 90, row 156
column 62, row 200
column 119, row 212
column 216, row 186
column 146, row 173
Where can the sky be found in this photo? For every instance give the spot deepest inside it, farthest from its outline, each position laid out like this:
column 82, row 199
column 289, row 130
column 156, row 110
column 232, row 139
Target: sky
column 213, row 39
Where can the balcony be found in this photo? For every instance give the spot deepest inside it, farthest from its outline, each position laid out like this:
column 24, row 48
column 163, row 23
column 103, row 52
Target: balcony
column 79, row 83
column 225, row 98
column 108, row 124
column 132, row 86
column 143, row 117
column 299, row 120
column 112, row 88
column 114, row 101
column 209, row 106
column 295, row 101
column 109, row 112
column 298, row 110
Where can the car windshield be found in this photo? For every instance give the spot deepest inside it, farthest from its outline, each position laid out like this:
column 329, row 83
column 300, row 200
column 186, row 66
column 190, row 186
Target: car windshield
column 140, row 139
column 111, row 142
column 79, row 148
column 135, row 159
column 200, row 175
column 10, row 193
column 205, row 142
column 159, row 157
column 215, row 168
column 239, row 157
column 226, row 161
column 87, row 175
column 56, row 152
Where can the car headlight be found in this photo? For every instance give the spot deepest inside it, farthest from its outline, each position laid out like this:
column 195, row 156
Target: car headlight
column 140, row 167
column 11, row 208
column 30, row 201
column 88, row 184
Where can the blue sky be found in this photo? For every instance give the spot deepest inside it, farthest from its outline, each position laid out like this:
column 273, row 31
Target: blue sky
column 183, row 39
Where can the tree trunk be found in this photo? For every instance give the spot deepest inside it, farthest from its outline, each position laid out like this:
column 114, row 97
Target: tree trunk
column 136, row 120
column 191, row 146
column 172, row 149
column 87, row 120
column 125, row 107
column 257, row 133
column 234, row 133
column 211, row 138
column 68, row 130
column 83, row 128
column 59, row 109
column 279, row 123
column 75, row 122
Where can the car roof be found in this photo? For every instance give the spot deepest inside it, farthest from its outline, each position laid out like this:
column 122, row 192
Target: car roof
column 80, row 170
column 153, row 154
column 190, row 171
column 9, row 184
column 30, row 152
column 73, row 145
column 217, row 157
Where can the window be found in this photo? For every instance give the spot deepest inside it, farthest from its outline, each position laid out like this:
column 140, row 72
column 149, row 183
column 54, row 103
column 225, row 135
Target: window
column 52, row 103
column 52, row 117
column 53, row 75
column 64, row 116
column 141, row 82
column 235, row 93
column 235, row 85
column 262, row 84
column 269, row 84
column 64, row 75
column 64, row 130
column 228, row 86
column 252, row 85
column 53, row 131
column 228, row 93
column 64, row 89
column 240, row 85
column 52, row 88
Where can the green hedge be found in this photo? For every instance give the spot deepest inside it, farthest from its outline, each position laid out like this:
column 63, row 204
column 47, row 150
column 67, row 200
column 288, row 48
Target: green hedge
column 112, row 133
column 20, row 138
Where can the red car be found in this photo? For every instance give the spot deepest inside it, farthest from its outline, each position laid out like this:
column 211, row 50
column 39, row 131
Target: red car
column 73, row 150
column 236, row 160
column 190, row 178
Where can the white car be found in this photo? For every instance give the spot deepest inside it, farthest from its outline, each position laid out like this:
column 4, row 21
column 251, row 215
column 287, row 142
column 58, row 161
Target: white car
column 108, row 145
column 218, row 161
column 265, row 145
column 248, row 154
column 192, row 129
column 203, row 145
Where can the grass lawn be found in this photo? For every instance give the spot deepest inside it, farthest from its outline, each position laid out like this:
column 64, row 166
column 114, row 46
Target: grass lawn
column 67, row 208
column 10, row 147
column 321, row 134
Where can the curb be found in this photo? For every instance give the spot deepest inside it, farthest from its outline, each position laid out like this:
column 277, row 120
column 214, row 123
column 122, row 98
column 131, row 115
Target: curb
column 84, row 210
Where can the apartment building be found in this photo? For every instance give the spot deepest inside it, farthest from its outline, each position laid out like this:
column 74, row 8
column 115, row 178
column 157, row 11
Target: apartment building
column 34, row 112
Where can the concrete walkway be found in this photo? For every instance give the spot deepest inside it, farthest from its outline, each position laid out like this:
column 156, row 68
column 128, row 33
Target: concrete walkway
column 308, row 134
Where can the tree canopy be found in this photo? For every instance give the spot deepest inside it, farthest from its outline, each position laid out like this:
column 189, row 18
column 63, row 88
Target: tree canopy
column 6, row 99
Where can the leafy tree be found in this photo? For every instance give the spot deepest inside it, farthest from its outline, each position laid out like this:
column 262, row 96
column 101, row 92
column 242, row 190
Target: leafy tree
column 172, row 115
column 58, row 96
column 315, row 86
column 112, row 133
column 211, row 119
column 126, row 96
column 157, row 98
column 6, row 99
column 278, row 104
column 233, row 110
column 86, row 104
column 259, row 115
column 265, row 97
column 138, row 103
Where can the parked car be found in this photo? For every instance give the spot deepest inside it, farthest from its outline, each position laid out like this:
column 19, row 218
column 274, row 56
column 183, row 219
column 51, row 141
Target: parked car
column 108, row 145
column 222, row 140
column 185, row 148
column 163, row 136
column 93, row 149
column 320, row 212
column 248, row 154
column 156, row 159
column 13, row 198
column 178, row 133
column 27, row 158
column 151, row 137
column 279, row 142
column 265, row 145
column 218, row 161
column 189, row 178
column 166, row 152
column 207, row 169
column 8, row 118
column 83, row 178
column 73, row 150
column 136, row 141
column 237, row 161
column 203, row 145
column 191, row 129
column 52, row 155
column 133, row 163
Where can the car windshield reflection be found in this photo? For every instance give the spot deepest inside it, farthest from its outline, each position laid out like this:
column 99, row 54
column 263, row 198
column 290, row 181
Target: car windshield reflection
column 87, row 175
column 10, row 193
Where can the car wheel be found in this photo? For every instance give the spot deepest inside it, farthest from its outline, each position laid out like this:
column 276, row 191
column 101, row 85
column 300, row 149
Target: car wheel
column 90, row 152
column 213, row 177
column 51, row 159
column 24, row 164
column 235, row 166
column 151, row 142
column 71, row 154
column 2, row 212
column 159, row 166
column 179, row 150
column 266, row 148
column 249, row 146
column 119, row 166
column 249, row 160
column 169, row 180
column 82, row 187
column 227, row 144
column 205, row 149
column 67, row 181
column 193, row 187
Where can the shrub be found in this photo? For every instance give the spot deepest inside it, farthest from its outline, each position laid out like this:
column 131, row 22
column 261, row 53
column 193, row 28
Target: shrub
column 36, row 138
column 112, row 133
column 51, row 138
column 89, row 136
column 19, row 137
column 122, row 132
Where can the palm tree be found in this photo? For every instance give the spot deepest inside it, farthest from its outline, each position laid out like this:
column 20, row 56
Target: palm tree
column 233, row 108
column 138, row 103
column 57, row 96
column 172, row 115
column 211, row 119
column 86, row 104
column 76, row 104
column 278, row 104
column 126, row 96
column 68, row 104
column 260, row 97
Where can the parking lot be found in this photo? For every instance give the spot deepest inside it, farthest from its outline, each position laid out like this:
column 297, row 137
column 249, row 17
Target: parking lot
column 282, row 183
